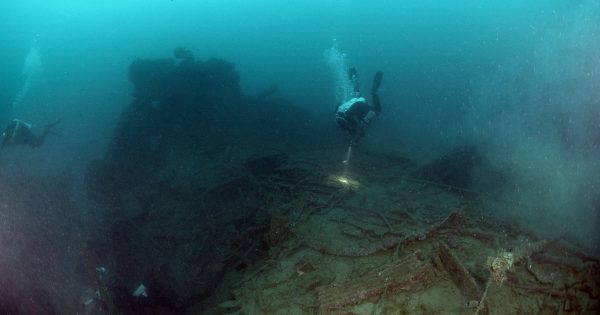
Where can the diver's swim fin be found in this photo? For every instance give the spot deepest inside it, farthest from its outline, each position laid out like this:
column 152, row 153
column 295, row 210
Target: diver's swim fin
column 52, row 124
column 376, row 82
column 48, row 128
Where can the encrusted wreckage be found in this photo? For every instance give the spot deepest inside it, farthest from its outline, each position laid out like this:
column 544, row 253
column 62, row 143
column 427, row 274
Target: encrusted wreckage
column 216, row 224
column 421, row 250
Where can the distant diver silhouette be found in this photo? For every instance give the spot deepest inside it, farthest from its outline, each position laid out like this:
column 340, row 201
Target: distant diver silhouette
column 19, row 132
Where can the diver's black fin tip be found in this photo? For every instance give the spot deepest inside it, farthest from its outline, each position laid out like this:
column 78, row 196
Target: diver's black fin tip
column 377, row 82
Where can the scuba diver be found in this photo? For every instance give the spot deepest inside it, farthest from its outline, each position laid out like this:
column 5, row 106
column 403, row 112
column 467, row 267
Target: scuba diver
column 19, row 132
column 354, row 115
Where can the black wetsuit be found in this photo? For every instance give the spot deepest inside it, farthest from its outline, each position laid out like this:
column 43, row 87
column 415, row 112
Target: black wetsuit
column 19, row 133
column 352, row 116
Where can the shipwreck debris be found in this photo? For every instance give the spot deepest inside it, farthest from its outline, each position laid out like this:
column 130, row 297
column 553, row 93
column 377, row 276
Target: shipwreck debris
column 407, row 275
column 459, row 274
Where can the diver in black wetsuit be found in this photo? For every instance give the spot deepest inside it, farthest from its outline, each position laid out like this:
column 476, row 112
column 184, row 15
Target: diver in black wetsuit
column 19, row 132
column 354, row 115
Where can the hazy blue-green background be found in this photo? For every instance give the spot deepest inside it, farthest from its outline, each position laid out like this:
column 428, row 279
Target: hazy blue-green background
column 508, row 75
